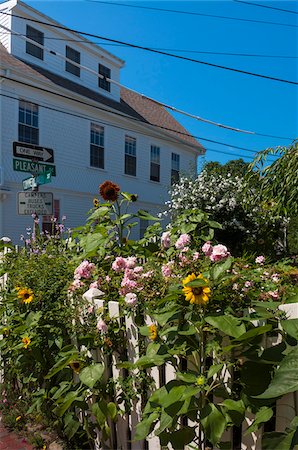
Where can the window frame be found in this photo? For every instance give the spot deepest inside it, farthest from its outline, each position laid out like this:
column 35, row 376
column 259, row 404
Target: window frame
column 102, row 82
column 28, row 122
column 155, row 163
column 130, row 156
column 69, row 67
column 31, row 49
column 97, row 137
column 175, row 168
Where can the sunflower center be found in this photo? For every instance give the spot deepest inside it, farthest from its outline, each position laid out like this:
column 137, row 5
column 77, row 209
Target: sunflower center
column 26, row 295
column 197, row 290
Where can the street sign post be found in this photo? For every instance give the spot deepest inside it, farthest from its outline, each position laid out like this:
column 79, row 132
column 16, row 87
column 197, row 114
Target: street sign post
column 34, row 152
column 32, row 202
column 21, row 165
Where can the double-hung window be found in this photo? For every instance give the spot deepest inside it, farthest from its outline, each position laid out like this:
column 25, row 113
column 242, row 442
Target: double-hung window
column 155, row 163
column 175, row 168
column 106, row 73
column 28, row 122
column 130, row 165
column 97, row 146
column 37, row 36
column 75, row 56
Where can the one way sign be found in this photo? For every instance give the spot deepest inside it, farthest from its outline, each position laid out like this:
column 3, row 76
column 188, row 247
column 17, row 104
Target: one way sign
column 34, row 152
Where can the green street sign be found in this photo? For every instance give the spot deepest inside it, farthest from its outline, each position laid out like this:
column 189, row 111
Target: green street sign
column 44, row 178
column 20, row 165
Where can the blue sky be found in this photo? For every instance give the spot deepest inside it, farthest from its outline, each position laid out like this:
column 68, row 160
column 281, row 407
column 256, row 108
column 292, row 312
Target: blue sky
column 242, row 101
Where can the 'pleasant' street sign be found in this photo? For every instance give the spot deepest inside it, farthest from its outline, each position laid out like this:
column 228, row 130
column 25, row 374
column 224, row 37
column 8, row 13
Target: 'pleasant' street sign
column 31, row 202
column 33, row 167
column 34, row 152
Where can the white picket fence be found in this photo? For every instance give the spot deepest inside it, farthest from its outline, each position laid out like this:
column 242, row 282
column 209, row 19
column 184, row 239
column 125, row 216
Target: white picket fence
column 124, row 429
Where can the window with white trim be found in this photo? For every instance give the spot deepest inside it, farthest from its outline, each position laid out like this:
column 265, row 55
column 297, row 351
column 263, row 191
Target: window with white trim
column 97, row 146
column 75, row 56
column 155, row 163
column 106, row 73
column 130, row 165
column 28, row 122
column 37, row 36
column 175, row 168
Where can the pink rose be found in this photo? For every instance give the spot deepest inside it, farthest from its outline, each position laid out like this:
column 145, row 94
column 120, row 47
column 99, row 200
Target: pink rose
column 274, row 294
column 131, row 262
column 119, row 264
column 131, row 299
column 166, row 270
column 260, row 260
column 102, row 326
column 182, row 241
column 207, row 248
column 166, row 239
column 219, row 252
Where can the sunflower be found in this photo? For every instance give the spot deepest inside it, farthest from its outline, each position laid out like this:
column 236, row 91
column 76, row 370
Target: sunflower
column 196, row 294
column 153, row 332
column 95, row 203
column 26, row 341
column 109, row 191
column 26, row 295
column 76, row 366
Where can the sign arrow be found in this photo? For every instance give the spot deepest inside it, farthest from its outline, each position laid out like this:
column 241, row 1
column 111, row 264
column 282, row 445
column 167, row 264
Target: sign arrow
column 34, row 152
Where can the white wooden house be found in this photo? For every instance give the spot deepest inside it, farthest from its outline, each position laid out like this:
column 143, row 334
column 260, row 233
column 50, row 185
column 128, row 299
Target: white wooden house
column 60, row 102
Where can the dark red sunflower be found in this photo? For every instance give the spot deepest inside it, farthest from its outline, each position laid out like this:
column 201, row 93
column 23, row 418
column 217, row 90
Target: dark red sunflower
column 109, row 191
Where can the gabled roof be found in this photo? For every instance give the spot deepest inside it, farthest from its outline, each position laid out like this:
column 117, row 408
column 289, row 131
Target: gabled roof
column 131, row 104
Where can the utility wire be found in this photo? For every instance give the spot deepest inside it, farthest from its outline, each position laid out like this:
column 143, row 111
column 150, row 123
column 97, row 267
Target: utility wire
column 266, row 6
column 102, row 122
column 281, row 80
column 110, row 80
column 256, row 55
column 123, row 115
column 191, row 13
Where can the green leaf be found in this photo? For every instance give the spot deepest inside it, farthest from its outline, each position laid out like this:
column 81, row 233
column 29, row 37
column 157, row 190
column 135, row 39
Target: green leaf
column 99, row 212
column 99, row 414
column 257, row 331
column 220, row 269
column 71, row 428
column 91, row 374
column 213, row 422
column 182, row 437
column 186, row 377
column 290, row 326
column 230, row 325
column 277, row 440
column 112, row 410
column 67, row 402
column 235, row 409
column 146, row 216
column 61, row 364
column 143, row 428
column 263, row 415
column 93, row 241
column 285, row 379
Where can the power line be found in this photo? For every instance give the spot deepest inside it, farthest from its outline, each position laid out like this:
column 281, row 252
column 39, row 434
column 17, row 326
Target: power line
column 256, row 55
column 97, row 74
column 245, row 72
column 119, row 114
column 102, row 122
column 191, row 13
column 266, row 6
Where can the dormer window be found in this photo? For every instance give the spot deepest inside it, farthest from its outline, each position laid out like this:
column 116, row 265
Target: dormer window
column 37, row 36
column 75, row 56
column 102, row 82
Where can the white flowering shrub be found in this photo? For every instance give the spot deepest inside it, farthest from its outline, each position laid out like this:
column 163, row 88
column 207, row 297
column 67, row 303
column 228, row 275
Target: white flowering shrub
column 220, row 191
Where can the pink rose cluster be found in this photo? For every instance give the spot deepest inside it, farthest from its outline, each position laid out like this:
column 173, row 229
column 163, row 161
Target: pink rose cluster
column 132, row 279
column 84, row 270
column 260, row 260
column 216, row 252
column 166, row 239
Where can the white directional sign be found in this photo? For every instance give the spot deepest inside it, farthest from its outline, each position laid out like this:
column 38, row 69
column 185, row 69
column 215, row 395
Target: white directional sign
column 34, row 152
column 32, row 202
column 29, row 183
